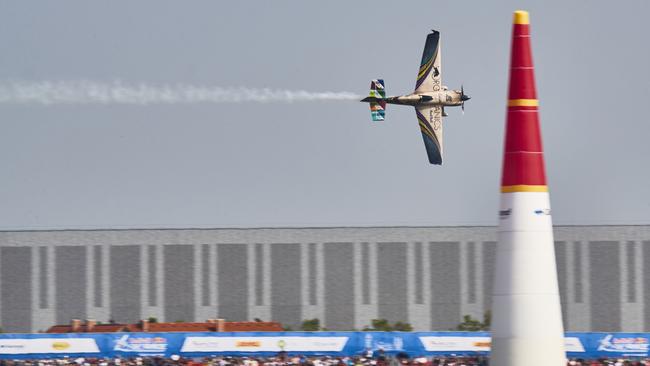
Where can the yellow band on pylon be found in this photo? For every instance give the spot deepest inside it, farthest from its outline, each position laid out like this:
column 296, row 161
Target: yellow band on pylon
column 523, row 103
column 523, row 188
column 521, row 17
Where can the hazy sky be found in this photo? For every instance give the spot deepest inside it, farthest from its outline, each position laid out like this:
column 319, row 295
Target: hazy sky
column 316, row 163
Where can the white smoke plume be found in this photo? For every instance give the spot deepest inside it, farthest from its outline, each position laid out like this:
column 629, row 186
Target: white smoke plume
column 117, row 92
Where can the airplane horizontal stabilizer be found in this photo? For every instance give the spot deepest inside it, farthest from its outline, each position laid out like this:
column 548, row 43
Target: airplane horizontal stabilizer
column 376, row 100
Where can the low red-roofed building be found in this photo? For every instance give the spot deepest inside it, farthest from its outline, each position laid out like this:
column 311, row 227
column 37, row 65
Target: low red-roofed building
column 211, row 325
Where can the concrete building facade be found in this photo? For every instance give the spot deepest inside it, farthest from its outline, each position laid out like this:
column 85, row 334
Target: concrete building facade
column 427, row 276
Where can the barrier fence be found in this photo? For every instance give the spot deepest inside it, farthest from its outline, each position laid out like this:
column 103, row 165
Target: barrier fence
column 17, row 346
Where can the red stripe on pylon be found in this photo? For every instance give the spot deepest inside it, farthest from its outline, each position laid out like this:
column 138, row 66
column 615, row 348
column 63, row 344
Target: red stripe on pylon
column 522, row 77
column 522, row 57
column 523, row 160
column 521, row 29
column 523, row 168
column 522, row 132
column 522, row 108
column 522, row 84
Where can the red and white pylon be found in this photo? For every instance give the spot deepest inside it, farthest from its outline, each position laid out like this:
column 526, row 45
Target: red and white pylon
column 526, row 316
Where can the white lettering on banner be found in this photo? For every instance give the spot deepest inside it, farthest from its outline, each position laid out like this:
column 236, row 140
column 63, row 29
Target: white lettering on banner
column 12, row 346
column 264, row 344
column 128, row 343
column 631, row 345
column 19, row 346
column 480, row 344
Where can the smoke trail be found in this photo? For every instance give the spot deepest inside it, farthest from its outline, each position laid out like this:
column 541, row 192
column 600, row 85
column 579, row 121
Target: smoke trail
column 116, row 92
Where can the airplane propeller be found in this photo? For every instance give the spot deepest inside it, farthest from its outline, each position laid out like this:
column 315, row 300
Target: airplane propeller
column 463, row 98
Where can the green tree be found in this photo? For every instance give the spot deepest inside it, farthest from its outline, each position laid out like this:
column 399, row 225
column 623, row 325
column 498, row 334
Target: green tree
column 382, row 325
column 487, row 320
column 310, row 325
column 470, row 324
column 402, row 327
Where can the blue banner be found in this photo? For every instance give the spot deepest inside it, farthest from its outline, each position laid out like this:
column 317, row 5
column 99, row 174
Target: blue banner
column 127, row 345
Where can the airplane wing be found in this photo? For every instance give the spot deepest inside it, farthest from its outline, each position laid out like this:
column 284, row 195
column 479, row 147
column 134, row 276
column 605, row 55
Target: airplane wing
column 430, row 120
column 430, row 75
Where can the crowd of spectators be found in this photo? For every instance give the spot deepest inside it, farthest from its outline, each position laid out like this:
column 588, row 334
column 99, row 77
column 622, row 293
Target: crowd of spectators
column 284, row 360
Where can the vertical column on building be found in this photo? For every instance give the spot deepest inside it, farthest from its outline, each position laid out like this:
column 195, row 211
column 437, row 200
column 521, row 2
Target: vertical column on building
column 198, row 284
column 51, row 279
column 266, row 277
column 312, row 307
column 471, row 299
column 631, row 308
column 578, row 294
column 259, row 305
column 152, row 281
column 144, row 280
column 90, row 283
column 43, row 315
column 203, row 285
column 365, row 283
column 320, row 281
column 42, row 280
column 418, row 287
column 214, row 278
column 640, row 293
column 97, row 306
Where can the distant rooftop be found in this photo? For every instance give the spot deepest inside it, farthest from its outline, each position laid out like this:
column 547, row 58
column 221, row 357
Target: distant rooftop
column 211, row 325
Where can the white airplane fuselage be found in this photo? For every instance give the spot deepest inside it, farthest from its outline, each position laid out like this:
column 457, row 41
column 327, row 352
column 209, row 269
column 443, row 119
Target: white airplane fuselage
column 446, row 98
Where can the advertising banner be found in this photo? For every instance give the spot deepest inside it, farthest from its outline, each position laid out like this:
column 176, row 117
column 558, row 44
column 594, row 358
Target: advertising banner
column 25, row 346
column 583, row 345
column 144, row 344
column 389, row 342
column 460, row 343
column 614, row 345
column 264, row 344
column 573, row 344
column 455, row 344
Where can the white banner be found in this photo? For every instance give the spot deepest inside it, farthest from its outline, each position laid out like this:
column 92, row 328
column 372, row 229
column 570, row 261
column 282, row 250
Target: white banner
column 450, row 343
column 480, row 344
column 264, row 344
column 573, row 344
column 19, row 346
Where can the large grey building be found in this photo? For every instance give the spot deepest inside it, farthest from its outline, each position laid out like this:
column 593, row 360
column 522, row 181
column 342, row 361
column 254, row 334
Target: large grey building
column 427, row 276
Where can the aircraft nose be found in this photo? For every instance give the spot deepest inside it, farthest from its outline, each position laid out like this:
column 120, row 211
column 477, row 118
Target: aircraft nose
column 465, row 97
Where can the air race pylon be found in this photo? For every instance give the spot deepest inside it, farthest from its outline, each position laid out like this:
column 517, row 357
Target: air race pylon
column 526, row 316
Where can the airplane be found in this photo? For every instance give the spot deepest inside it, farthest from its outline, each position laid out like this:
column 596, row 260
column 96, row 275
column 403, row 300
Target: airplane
column 429, row 98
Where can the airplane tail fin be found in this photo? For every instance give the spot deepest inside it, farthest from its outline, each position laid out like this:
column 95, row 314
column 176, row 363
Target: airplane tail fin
column 376, row 100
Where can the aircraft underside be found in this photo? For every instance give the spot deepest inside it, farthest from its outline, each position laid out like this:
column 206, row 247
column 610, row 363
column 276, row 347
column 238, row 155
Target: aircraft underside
column 432, row 99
